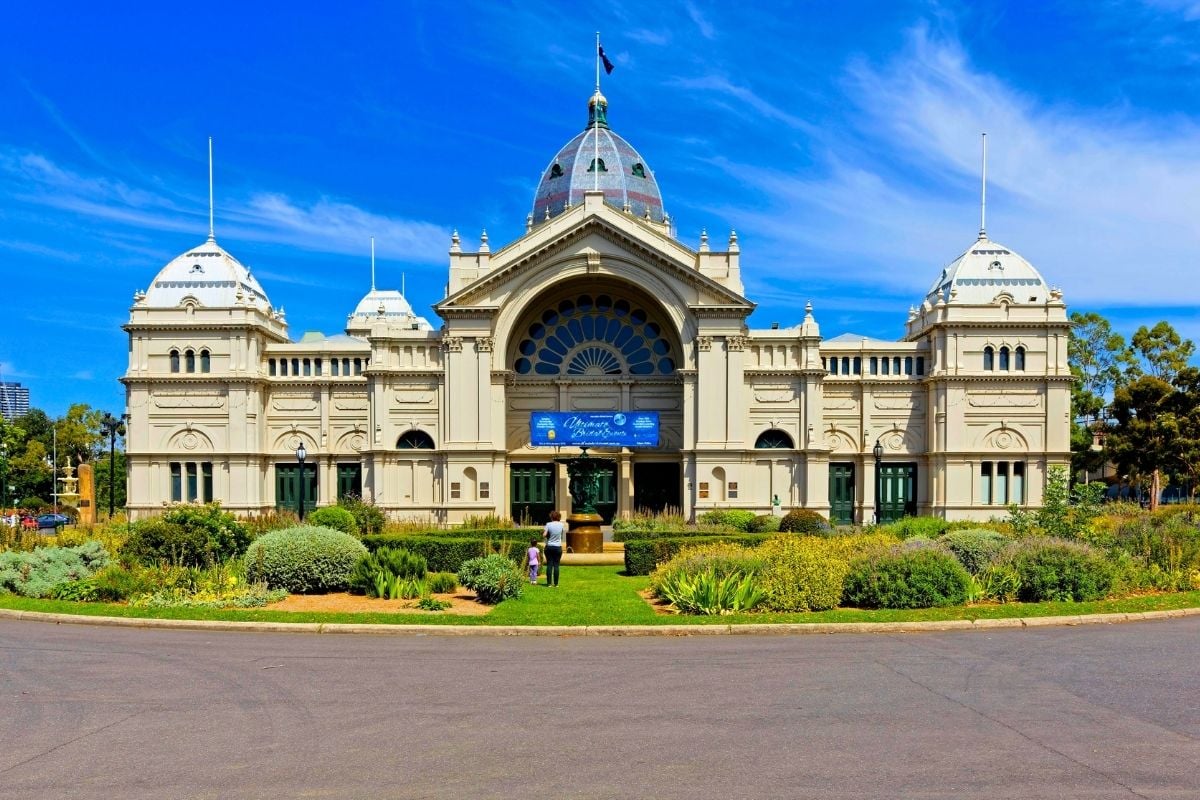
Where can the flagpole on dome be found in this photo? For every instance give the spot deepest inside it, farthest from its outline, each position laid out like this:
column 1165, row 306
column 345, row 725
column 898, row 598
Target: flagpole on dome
column 596, row 122
column 212, row 236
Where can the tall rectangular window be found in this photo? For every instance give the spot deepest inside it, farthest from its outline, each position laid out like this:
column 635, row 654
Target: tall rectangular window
column 858, row 365
column 206, row 482
column 920, row 365
column 176, row 482
column 908, row 365
column 1000, row 494
column 333, row 367
column 896, row 365
column 733, row 490
column 192, row 488
column 318, row 366
column 485, row 490
column 1016, row 492
column 874, row 365
column 985, row 483
column 887, row 364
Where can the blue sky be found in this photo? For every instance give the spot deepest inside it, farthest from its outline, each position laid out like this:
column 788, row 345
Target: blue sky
column 841, row 140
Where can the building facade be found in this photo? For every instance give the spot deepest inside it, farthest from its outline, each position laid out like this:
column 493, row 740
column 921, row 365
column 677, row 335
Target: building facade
column 597, row 307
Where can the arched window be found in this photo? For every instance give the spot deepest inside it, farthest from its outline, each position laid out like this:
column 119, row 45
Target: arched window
column 358, row 366
column 205, row 361
column 174, row 361
column 1020, row 359
column 556, row 171
column 592, row 166
column 295, row 366
column 845, row 365
column 833, row 366
column 333, row 367
column 896, row 365
column 638, row 171
column 773, row 439
column 317, row 364
column 1004, row 358
column 308, row 367
column 908, row 365
column 874, row 365
column 858, row 365
column 414, row 440
column 886, row 363
column 189, row 361
column 989, row 358
column 345, row 366
column 283, row 367
column 271, row 367
column 920, row 365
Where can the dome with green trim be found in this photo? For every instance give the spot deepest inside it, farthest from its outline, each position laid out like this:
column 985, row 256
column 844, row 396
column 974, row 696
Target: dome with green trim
column 598, row 158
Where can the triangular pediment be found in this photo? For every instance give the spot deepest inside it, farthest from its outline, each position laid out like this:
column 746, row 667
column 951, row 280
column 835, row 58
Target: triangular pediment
column 606, row 240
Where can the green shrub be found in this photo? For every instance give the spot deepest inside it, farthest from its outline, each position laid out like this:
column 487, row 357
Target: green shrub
column 1056, row 569
column 708, row 593
column 368, row 519
column 114, row 584
column 912, row 579
column 803, row 520
column 494, row 534
column 38, row 573
column 908, row 527
column 975, row 548
column 670, row 519
column 719, row 558
column 305, row 559
column 442, row 582
column 643, row 555
column 433, row 604
column 802, row 573
column 187, row 535
column 999, row 582
column 336, row 517
column 1166, row 546
column 493, row 578
column 278, row 519
column 447, row 553
column 376, row 573
column 733, row 517
column 764, row 523
column 634, row 534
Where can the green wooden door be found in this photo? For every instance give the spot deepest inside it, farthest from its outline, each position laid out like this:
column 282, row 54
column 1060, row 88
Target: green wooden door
column 287, row 487
column 897, row 492
column 841, row 494
column 349, row 481
column 532, row 493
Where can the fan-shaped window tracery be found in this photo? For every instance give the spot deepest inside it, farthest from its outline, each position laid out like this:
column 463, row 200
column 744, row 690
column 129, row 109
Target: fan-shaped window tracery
column 594, row 335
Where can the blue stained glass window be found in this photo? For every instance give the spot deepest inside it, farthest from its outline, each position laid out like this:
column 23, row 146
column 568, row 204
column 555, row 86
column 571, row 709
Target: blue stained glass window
column 603, row 303
column 537, row 330
column 588, row 324
column 640, row 356
column 546, row 369
column 638, row 316
column 621, row 308
column 523, row 366
column 566, row 308
column 623, row 335
column 666, row 366
column 653, row 331
column 527, row 347
column 550, row 317
column 576, row 329
column 553, row 344
column 584, row 303
column 633, row 344
column 644, row 368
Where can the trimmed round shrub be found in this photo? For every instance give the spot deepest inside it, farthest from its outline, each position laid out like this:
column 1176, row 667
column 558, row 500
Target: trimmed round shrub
column 975, row 548
column 305, row 559
column 493, row 578
column 334, row 517
column 442, row 582
column 907, row 579
column 764, row 523
column 1055, row 569
column 733, row 517
column 803, row 573
column 802, row 520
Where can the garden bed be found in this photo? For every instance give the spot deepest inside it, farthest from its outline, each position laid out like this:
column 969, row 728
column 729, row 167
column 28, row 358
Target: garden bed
column 461, row 603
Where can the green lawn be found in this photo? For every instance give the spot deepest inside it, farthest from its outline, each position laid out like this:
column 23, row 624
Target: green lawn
column 603, row 596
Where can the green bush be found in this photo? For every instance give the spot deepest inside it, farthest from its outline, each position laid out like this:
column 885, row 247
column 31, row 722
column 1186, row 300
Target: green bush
column 433, row 604
column 733, row 517
column 368, row 518
column 802, row 573
column 493, row 578
column 447, row 553
column 442, row 582
column 1056, row 569
column 708, row 593
column 336, row 517
column 376, row 574
column 38, row 573
column 668, row 520
column 1166, row 546
column 975, row 548
column 114, row 584
column 643, row 555
column 719, row 558
column 912, row 579
column 908, row 527
column 258, row 524
column 764, row 523
column 305, row 559
column 187, row 535
column 634, row 534
column 803, row 520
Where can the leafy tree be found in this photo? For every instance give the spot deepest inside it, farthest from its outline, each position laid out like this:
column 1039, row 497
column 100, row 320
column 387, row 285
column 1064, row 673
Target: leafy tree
column 1142, row 442
column 1100, row 360
column 1163, row 351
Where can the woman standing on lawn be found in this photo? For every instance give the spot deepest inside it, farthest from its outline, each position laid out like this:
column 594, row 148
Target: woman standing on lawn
column 554, row 534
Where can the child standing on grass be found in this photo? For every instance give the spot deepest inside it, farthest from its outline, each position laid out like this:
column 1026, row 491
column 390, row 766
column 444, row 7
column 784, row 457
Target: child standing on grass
column 531, row 558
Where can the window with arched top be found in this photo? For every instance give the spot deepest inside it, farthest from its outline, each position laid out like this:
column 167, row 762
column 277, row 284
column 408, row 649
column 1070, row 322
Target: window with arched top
column 174, row 361
column 989, row 358
column 874, row 365
column 295, row 366
column 858, row 365
column 556, row 171
column 773, row 439
column 308, row 367
column 358, row 366
column 414, row 440
column 333, row 367
column 1019, row 358
column 271, row 367
column 1004, row 358
column 205, row 361
column 908, row 365
column 593, row 168
column 833, row 366
column 345, row 366
column 189, row 361
column 638, row 171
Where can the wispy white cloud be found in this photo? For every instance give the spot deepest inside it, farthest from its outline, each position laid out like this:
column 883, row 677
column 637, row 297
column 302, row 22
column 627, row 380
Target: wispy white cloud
column 701, row 22
column 723, row 86
column 82, row 375
column 38, row 249
column 9, row 371
column 647, row 36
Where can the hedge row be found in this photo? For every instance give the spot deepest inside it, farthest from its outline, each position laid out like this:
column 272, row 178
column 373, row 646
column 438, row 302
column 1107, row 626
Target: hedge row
column 495, row 534
column 635, row 535
column 447, row 553
column 643, row 555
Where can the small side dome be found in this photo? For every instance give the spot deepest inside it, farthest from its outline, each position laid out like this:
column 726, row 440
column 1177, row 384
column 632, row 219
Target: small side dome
column 209, row 274
column 986, row 271
column 391, row 305
column 598, row 158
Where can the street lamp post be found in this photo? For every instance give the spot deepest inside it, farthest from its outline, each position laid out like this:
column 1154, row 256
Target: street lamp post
column 877, row 450
column 3, row 476
column 111, row 427
column 301, row 454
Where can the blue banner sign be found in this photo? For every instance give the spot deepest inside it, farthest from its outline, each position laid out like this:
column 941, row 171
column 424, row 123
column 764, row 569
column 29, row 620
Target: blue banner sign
column 594, row 429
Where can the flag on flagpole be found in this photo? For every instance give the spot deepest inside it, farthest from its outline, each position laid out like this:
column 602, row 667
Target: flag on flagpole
column 608, row 65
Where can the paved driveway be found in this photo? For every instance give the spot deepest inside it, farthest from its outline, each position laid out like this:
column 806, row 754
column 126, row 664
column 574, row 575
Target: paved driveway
column 1093, row 712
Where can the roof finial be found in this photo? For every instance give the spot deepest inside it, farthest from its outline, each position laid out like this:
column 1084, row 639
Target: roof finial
column 372, row 263
column 704, row 240
column 212, row 237
column 983, row 193
column 483, row 242
column 454, row 241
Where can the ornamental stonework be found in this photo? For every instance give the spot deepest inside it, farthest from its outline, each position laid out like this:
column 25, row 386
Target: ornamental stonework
column 452, row 344
column 485, row 344
column 704, row 343
column 736, row 344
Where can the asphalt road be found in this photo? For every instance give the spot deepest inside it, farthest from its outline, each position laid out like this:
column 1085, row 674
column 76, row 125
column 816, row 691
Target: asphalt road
column 1093, row 712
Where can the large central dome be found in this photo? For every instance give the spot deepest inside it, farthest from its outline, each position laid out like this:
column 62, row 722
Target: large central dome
column 598, row 159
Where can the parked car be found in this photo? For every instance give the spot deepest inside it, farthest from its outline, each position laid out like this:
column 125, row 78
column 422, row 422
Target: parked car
column 29, row 523
column 51, row 521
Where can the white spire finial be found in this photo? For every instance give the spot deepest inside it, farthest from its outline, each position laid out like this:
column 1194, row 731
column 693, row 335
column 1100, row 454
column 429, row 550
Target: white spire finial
column 402, row 283
column 372, row 263
column 212, row 236
column 983, row 194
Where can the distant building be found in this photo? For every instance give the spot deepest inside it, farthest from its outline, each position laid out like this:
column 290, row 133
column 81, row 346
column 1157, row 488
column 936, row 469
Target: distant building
column 14, row 400
column 598, row 307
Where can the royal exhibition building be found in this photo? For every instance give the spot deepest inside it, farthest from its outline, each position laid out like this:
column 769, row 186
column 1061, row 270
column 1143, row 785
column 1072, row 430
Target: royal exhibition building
column 597, row 317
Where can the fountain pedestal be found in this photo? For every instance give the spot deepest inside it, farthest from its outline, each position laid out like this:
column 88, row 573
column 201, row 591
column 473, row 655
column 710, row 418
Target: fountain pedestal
column 583, row 523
